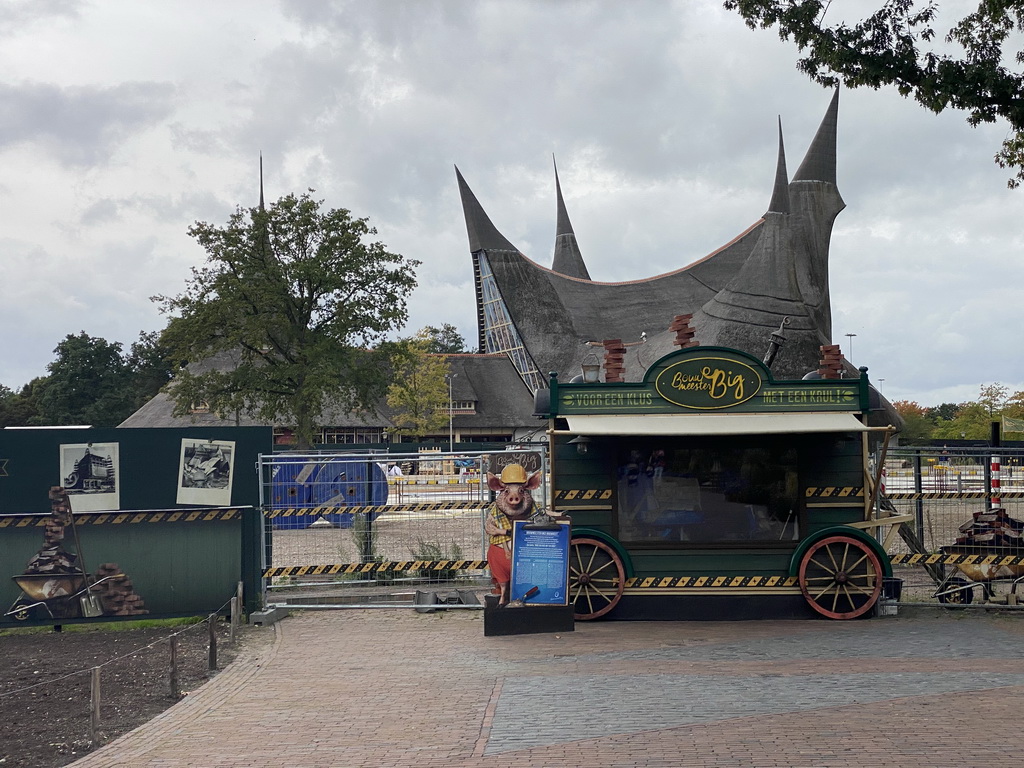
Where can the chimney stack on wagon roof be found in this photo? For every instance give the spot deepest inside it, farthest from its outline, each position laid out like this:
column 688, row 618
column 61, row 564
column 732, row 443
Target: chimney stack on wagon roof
column 614, row 360
column 684, row 331
column 831, row 364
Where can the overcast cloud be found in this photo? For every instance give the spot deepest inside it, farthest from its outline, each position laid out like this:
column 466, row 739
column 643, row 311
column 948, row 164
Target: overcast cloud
column 121, row 123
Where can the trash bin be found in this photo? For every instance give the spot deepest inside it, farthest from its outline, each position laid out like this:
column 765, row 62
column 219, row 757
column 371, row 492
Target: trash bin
column 892, row 589
column 888, row 600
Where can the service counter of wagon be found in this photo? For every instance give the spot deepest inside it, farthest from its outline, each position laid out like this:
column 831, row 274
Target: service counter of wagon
column 710, row 491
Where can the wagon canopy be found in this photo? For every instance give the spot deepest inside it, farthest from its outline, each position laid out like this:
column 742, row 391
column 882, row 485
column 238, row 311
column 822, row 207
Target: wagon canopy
column 714, row 424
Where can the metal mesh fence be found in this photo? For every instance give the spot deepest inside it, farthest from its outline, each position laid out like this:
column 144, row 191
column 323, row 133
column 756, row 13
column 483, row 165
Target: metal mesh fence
column 379, row 523
column 944, row 488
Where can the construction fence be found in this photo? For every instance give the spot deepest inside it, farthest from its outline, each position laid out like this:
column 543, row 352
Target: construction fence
column 944, row 488
column 374, row 528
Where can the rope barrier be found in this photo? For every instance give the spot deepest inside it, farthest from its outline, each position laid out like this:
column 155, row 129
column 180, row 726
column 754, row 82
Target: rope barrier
column 88, row 670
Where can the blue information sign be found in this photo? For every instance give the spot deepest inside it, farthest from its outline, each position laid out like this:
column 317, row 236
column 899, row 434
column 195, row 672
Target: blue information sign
column 540, row 564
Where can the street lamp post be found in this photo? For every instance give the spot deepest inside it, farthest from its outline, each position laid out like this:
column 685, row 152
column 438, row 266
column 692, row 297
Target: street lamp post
column 850, row 337
column 451, row 422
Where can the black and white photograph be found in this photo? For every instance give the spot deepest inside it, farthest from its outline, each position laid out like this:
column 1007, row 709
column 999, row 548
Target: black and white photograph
column 205, row 472
column 89, row 472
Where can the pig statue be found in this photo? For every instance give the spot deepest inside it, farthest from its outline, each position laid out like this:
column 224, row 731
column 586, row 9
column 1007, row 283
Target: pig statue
column 514, row 502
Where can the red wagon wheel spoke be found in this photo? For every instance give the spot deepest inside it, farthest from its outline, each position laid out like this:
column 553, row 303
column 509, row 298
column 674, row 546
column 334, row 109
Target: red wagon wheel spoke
column 840, row 577
column 596, row 578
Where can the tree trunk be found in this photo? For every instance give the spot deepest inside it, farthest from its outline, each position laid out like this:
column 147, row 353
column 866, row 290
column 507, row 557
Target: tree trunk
column 304, row 428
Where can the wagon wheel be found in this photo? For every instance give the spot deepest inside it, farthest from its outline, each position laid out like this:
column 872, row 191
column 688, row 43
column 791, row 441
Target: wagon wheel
column 596, row 578
column 962, row 595
column 841, row 577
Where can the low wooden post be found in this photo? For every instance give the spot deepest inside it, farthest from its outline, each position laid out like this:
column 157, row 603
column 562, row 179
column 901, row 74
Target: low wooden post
column 94, row 707
column 234, row 620
column 212, row 624
column 172, row 668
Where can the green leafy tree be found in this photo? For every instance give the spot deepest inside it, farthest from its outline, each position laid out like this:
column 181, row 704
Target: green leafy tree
column 89, row 383
column 418, row 393
column 973, row 420
column 943, row 412
column 445, row 340
column 895, row 45
column 993, row 397
column 917, row 427
column 151, row 367
column 297, row 298
column 18, row 409
column 1014, row 406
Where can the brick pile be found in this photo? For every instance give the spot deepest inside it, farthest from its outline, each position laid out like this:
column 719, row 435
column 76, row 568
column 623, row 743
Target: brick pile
column 52, row 557
column 992, row 528
column 116, row 593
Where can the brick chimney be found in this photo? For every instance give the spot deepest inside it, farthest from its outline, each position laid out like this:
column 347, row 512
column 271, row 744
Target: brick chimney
column 684, row 331
column 831, row 364
column 614, row 360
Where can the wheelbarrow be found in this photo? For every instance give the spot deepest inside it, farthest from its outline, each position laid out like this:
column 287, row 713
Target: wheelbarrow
column 987, row 569
column 60, row 595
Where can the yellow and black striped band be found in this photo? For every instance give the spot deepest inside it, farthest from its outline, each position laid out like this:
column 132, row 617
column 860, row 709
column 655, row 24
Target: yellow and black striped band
column 338, row 569
column 950, row 559
column 118, row 518
column 585, row 494
column 439, row 506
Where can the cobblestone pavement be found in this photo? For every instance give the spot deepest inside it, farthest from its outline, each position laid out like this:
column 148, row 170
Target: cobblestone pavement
column 397, row 689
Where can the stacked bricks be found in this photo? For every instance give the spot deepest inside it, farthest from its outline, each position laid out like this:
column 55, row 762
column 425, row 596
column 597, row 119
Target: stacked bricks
column 116, row 592
column 53, row 558
column 684, row 331
column 831, row 364
column 614, row 360
column 60, row 516
column 993, row 528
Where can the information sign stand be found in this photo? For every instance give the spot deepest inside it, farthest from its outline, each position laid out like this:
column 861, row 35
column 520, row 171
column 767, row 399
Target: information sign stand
column 539, row 599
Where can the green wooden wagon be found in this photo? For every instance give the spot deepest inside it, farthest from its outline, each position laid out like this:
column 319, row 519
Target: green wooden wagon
column 708, row 490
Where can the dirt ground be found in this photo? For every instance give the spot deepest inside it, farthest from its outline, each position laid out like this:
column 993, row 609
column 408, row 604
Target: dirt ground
column 45, row 679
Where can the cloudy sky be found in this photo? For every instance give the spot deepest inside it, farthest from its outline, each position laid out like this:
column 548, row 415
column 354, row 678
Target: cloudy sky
column 123, row 122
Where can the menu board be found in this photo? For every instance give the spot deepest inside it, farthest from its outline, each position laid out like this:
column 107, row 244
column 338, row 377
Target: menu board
column 540, row 563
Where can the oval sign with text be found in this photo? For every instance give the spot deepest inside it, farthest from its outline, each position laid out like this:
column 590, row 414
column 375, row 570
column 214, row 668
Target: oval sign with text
column 708, row 383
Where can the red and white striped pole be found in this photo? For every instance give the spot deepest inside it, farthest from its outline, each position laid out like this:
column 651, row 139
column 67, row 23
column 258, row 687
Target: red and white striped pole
column 996, row 497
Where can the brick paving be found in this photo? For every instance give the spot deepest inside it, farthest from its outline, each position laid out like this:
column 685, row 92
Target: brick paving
column 402, row 689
